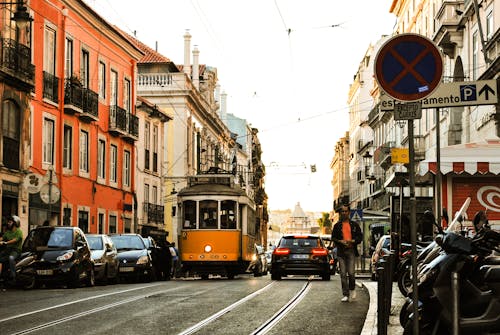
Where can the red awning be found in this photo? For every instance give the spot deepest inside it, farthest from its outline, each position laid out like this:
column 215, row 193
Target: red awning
column 472, row 158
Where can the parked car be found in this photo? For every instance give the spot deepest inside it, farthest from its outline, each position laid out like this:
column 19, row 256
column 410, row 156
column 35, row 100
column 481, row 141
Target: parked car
column 105, row 257
column 62, row 256
column 258, row 265
column 300, row 255
column 382, row 248
column 133, row 257
column 332, row 253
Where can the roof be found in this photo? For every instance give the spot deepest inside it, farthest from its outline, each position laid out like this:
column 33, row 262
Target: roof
column 473, row 158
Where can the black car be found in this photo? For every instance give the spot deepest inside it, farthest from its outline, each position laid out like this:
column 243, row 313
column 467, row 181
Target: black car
column 62, row 256
column 134, row 258
column 300, row 255
column 258, row 266
column 105, row 257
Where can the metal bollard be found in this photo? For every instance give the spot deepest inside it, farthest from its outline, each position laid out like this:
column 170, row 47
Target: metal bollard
column 389, row 279
column 381, row 298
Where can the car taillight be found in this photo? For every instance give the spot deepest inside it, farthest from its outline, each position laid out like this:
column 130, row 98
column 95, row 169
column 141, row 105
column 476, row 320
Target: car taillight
column 281, row 251
column 320, row 252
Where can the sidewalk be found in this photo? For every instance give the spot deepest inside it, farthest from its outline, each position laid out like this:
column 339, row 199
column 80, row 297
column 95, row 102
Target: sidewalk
column 370, row 325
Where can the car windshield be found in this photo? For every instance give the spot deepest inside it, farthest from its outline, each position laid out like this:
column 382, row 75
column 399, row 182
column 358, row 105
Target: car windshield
column 124, row 242
column 50, row 237
column 300, row 242
column 95, row 242
column 147, row 242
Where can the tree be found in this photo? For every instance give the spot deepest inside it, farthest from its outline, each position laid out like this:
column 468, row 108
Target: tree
column 325, row 222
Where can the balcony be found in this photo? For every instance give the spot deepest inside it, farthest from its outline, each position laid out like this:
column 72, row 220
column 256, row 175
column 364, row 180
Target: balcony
column 122, row 123
column 15, row 64
column 153, row 214
column 50, row 87
column 449, row 33
column 382, row 155
column 80, row 100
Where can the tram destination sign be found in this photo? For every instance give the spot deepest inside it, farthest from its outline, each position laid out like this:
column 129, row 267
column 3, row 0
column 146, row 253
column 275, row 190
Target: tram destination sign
column 456, row 94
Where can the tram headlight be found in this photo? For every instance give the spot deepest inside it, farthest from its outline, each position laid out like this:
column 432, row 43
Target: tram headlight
column 208, row 248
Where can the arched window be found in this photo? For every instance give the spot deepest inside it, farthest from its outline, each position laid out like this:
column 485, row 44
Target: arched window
column 11, row 134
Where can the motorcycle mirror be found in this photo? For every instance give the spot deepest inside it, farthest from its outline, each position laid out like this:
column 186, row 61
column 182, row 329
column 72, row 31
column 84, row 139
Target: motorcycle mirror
column 439, row 239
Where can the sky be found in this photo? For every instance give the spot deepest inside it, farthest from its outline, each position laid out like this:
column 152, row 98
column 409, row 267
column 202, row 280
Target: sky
column 285, row 65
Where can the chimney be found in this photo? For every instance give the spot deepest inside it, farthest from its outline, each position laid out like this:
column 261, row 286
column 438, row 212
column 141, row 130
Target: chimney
column 223, row 107
column 196, row 68
column 187, row 47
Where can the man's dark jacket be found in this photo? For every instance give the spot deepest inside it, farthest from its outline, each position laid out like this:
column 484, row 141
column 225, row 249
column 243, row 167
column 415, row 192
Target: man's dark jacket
column 337, row 236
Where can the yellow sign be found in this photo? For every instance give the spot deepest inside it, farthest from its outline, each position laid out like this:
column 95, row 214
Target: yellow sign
column 400, row 155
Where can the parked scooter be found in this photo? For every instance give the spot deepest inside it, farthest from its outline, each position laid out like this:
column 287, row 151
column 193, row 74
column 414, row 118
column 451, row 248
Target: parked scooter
column 479, row 281
column 429, row 252
column 25, row 273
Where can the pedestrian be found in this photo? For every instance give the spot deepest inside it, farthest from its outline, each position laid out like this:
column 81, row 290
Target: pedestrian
column 444, row 219
column 11, row 240
column 346, row 234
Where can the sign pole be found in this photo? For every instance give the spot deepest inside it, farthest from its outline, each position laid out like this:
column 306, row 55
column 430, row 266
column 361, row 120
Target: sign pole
column 438, row 168
column 413, row 225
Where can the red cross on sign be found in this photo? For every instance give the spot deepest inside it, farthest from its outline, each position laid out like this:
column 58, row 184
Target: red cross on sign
column 408, row 67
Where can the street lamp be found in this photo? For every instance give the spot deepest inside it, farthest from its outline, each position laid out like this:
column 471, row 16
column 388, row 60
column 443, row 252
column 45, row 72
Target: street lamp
column 21, row 16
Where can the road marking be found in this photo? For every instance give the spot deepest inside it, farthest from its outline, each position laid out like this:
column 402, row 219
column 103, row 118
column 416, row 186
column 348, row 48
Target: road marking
column 75, row 302
column 95, row 310
column 217, row 315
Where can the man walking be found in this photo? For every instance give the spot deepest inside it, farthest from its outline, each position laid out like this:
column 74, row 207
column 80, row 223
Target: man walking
column 346, row 234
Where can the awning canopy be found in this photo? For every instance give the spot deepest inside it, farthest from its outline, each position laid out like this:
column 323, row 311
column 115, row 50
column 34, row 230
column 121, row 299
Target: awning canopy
column 472, row 158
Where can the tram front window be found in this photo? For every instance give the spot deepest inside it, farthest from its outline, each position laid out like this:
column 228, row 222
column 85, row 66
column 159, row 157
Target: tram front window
column 208, row 214
column 189, row 214
column 228, row 214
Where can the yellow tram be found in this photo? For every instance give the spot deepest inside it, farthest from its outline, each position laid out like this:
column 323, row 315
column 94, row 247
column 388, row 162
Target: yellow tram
column 218, row 226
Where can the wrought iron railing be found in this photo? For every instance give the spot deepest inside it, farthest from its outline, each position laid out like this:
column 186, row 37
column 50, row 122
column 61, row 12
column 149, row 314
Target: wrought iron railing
column 17, row 57
column 153, row 213
column 50, row 86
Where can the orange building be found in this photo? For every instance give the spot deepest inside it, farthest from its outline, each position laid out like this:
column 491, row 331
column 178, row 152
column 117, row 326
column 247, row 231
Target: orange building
column 83, row 122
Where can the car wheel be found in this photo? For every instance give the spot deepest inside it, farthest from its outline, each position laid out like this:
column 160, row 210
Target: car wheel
column 104, row 280
column 275, row 276
column 205, row 277
column 325, row 276
column 230, row 276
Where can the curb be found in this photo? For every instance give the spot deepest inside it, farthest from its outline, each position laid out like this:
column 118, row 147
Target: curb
column 370, row 325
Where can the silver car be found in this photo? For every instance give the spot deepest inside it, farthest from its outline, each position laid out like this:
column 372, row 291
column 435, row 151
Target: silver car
column 104, row 255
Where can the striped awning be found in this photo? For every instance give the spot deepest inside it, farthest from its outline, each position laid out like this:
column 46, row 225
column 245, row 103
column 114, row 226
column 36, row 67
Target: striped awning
column 472, row 158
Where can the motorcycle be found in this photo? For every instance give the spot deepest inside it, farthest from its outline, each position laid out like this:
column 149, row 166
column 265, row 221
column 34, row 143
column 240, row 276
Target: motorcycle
column 430, row 251
column 478, row 279
column 25, row 273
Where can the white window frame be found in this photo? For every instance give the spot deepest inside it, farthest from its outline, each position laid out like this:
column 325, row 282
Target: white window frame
column 84, row 153
column 126, row 169
column 101, row 160
column 85, row 68
column 49, row 49
column 127, row 91
column 67, row 148
column 48, row 140
column 113, row 164
column 68, row 57
column 102, row 80
column 113, row 91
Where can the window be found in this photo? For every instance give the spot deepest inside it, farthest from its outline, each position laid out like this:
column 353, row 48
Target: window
column 11, row 134
column 48, row 141
column 154, row 195
column 208, row 214
column 102, row 80
column 83, row 220
column 146, row 193
column 146, row 145
column 49, row 64
column 127, row 225
column 112, row 224
column 126, row 95
column 475, row 55
column 101, row 159
column 126, row 168
column 228, row 214
column 155, row 148
column 490, row 29
column 100, row 224
column 67, row 216
column 68, row 66
column 113, row 160
column 189, row 220
column 114, row 88
column 68, row 147
column 84, row 151
column 84, row 68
